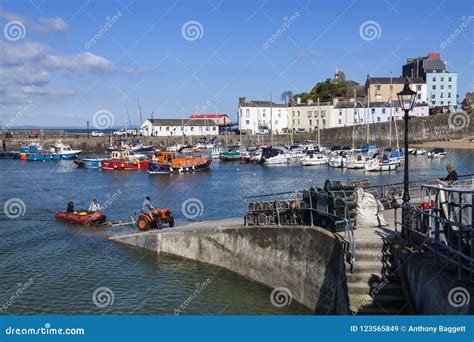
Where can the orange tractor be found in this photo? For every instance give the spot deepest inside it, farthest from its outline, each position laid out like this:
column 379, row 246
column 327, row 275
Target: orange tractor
column 156, row 220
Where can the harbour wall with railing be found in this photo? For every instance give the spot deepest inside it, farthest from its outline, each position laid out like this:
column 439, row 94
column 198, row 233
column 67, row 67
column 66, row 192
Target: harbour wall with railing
column 306, row 261
column 438, row 127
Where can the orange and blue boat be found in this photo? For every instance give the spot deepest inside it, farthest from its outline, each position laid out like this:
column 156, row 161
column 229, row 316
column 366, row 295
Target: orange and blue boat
column 168, row 162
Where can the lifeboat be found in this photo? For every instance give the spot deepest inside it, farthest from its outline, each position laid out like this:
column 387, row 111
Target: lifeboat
column 168, row 162
column 81, row 216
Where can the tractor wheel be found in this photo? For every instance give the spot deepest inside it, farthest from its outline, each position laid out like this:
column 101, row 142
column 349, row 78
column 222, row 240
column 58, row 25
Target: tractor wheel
column 171, row 222
column 143, row 223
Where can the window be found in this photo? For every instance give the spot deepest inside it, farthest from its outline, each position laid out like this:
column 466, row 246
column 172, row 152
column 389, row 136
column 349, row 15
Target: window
column 433, row 96
column 298, row 113
column 339, row 121
column 433, row 87
column 324, row 122
column 449, row 95
column 310, row 122
column 442, row 79
column 377, row 87
column 434, row 79
column 373, row 110
column 214, row 128
column 450, row 86
column 383, row 110
column 298, row 121
column 340, row 111
column 378, row 118
column 276, row 122
column 247, row 122
column 310, row 114
column 442, row 86
column 418, row 87
column 323, row 113
column 167, row 128
column 441, row 95
column 361, row 120
column 192, row 129
column 450, row 79
column 247, row 112
column 433, row 102
column 418, row 96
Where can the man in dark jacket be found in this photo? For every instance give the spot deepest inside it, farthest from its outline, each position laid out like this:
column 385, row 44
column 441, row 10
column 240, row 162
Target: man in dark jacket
column 452, row 174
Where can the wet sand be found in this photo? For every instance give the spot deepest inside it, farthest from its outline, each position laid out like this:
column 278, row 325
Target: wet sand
column 463, row 144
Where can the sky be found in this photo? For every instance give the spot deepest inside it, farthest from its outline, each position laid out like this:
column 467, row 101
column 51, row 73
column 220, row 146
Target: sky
column 63, row 63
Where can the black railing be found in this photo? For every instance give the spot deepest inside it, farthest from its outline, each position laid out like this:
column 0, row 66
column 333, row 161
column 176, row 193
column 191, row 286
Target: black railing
column 443, row 223
column 334, row 211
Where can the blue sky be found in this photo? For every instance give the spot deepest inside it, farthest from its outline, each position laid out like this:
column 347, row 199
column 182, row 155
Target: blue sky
column 51, row 77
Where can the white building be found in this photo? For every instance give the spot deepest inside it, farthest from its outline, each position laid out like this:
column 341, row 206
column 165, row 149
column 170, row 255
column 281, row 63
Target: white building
column 178, row 127
column 256, row 116
column 308, row 116
column 346, row 113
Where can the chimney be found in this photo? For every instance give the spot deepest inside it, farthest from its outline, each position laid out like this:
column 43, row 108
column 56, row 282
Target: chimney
column 241, row 100
column 434, row 55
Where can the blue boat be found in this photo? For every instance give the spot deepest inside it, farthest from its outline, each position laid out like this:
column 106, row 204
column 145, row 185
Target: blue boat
column 9, row 155
column 89, row 163
column 59, row 151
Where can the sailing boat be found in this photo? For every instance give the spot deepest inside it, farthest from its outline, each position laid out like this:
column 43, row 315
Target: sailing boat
column 355, row 161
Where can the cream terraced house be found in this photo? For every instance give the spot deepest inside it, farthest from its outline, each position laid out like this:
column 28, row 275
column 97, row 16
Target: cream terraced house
column 306, row 117
column 381, row 89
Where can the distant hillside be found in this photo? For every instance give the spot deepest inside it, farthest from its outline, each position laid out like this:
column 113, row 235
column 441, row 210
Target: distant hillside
column 328, row 90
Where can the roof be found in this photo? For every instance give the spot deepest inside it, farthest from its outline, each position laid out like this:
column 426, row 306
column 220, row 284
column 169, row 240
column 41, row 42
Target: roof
column 259, row 103
column 394, row 80
column 179, row 122
column 207, row 116
column 348, row 104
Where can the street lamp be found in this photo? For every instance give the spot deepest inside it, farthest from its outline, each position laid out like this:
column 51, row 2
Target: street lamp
column 406, row 98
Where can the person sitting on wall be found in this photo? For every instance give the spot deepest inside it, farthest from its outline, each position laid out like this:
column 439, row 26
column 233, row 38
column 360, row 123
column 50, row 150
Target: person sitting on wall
column 70, row 208
column 452, row 174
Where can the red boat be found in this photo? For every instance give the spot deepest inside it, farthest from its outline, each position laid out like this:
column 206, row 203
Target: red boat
column 81, row 216
column 121, row 160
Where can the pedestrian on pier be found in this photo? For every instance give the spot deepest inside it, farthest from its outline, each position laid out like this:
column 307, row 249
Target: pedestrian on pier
column 452, row 174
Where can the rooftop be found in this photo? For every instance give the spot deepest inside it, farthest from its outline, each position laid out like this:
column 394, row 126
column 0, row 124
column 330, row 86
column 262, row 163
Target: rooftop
column 179, row 122
column 394, row 80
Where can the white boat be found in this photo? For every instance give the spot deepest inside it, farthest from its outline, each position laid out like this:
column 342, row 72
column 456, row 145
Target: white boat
column 174, row 148
column 437, row 153
column 381, row 163
column 336, row 161
column 272, row 156
column 216, row 152
column 420, row 152
column 64, row 151
column 314, row 159
column 356, row 162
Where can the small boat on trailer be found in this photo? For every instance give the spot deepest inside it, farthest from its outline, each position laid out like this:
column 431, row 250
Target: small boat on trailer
column 168, row 162
column 81, row 216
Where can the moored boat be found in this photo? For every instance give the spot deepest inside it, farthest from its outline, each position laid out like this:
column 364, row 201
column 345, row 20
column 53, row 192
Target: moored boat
column 233, row 153
column 314, row 158
column 89, row 163
column 121, row 160
column 168, row 162
column 381, row 163
column 437, row 152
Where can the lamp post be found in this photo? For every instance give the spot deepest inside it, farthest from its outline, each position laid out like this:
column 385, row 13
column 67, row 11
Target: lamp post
column 406, row 98
column 87, row 129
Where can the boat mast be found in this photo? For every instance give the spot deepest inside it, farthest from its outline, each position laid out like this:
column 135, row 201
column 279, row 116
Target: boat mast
column 271, row 120
column 182, row 124
column 126, row 110
column 368, row 115
column 140, row 114
column 319, row 123
column 353, row 122
column 390, row 124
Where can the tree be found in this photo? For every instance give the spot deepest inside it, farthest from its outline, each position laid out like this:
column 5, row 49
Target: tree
column 285, row 96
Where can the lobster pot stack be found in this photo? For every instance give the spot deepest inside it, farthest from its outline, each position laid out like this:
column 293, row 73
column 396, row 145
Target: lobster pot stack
column 335, row 205
column 282, row 212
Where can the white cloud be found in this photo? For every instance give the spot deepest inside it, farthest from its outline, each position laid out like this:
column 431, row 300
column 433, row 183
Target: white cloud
column 43, row 24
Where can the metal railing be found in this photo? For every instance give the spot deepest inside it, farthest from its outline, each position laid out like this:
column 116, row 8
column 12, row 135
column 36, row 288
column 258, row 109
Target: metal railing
column 306, row 208
column 444, row 224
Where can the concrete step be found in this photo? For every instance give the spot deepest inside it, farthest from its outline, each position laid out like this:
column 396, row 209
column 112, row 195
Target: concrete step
column 369, row 266
column 370, row 244
column 364, row 288
column 383, row 300
column 364, row 277
column 370, row 255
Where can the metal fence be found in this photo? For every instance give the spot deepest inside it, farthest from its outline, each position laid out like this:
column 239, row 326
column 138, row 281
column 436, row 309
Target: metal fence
column 443, row 224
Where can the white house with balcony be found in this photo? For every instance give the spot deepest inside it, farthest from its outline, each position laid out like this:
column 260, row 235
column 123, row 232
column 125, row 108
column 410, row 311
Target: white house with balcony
column 178, row 127
column 258, row 116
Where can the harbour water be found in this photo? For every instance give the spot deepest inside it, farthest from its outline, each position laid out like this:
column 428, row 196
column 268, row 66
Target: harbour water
column 67, row 263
